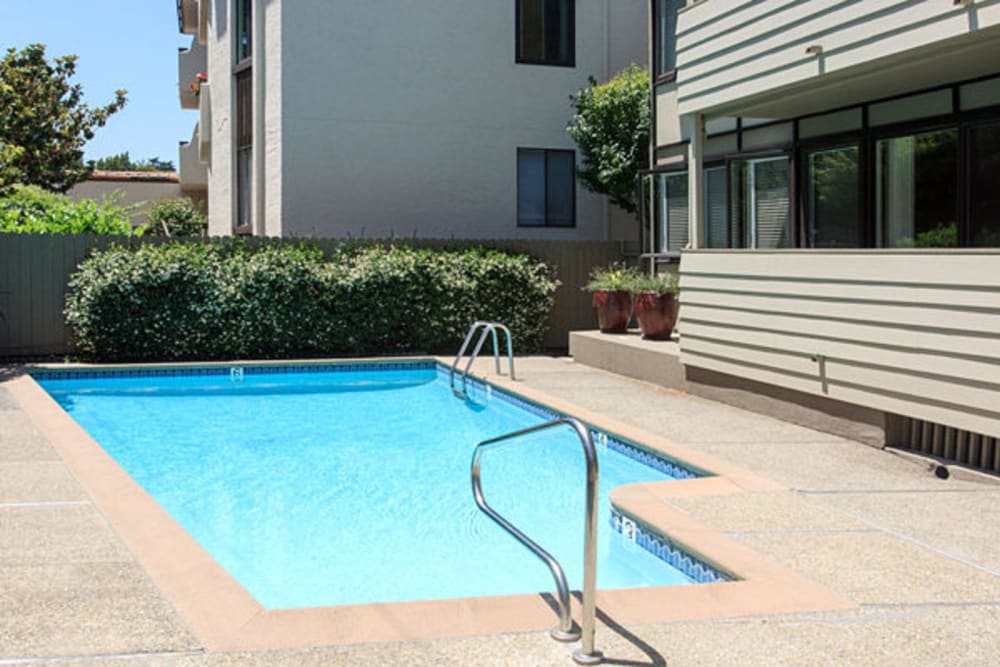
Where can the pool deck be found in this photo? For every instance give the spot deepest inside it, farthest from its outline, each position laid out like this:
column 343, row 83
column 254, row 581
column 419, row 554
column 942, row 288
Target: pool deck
column 917, row 557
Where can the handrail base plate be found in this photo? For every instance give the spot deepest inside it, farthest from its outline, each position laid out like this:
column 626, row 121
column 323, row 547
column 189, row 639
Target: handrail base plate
column 581, row 658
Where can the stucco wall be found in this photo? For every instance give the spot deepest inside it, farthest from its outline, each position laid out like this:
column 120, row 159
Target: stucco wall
column 132, row 192
column 405, row 117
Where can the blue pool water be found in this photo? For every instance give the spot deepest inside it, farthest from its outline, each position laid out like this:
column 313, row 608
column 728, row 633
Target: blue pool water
column 347, row 487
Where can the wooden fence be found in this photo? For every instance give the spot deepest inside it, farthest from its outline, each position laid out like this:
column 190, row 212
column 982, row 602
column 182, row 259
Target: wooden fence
column 35, row 269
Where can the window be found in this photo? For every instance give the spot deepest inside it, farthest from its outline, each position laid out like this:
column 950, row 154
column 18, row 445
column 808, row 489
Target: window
column 833, row 198
column 916, row 190
column 244, row 150
column 984, row 185
column 546, row 32
column 717, row 231
column 760, row 200
column 672, row 212
column 244, row 29
column 665, row 39
column 546, row 188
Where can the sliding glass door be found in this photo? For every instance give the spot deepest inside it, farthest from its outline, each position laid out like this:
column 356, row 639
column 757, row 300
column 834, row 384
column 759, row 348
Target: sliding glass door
column 833, row 198
column 760, row 201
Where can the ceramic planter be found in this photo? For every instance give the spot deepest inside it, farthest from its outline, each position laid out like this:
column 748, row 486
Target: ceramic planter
column 657, row 315
column 614, row 310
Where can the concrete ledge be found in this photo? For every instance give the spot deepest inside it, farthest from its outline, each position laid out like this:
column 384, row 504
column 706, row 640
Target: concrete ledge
column 656, row 361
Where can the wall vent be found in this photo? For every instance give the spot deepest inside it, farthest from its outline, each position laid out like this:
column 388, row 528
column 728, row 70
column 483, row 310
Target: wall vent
column 944, row 442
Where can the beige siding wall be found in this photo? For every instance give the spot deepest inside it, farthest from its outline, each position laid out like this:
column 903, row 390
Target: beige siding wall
column 741, row 56
column 908, row 332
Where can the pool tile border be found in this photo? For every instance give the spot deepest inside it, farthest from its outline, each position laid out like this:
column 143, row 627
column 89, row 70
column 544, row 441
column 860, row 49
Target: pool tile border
column 664, row 548
column 224, row 617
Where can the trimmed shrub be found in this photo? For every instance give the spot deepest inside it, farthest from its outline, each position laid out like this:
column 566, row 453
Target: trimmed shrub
column 224, row 301
column 29, row 209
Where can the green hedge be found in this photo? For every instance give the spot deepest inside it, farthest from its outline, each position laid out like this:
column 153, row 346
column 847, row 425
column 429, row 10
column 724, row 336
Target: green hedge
column 181, row 301
column 28, row 209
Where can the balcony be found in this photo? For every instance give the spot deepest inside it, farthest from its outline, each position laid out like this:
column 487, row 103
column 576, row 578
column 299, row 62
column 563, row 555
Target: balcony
column 793, row 57
column 193, row 173
column 190, row 62
column 187, row 16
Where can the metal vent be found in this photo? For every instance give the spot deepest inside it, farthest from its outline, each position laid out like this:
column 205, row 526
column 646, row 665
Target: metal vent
column 972, row 449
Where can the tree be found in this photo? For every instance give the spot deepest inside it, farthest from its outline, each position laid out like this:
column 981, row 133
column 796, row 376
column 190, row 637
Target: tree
column 611, row 128
column 123, row 162
column 45, row 123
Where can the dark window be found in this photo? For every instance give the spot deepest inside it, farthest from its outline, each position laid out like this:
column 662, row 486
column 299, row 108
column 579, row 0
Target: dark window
column 833, row 198
column 244, row 29
column 717, row 230
column 546, row 32
column 665, row 37
column 984, row 185
column 244, row 149
column 546, row 188
column 916, row 190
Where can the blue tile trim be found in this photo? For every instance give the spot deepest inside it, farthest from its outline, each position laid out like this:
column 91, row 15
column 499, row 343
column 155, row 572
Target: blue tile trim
column 667, row 466
column 193, row 371
column 663, row 548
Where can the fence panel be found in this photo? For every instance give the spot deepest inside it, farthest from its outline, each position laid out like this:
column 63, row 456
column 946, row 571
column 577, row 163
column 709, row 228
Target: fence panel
column 35, row 271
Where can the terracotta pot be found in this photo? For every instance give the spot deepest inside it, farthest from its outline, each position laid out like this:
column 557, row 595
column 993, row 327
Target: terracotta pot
column 657, row 315
column 614, row 310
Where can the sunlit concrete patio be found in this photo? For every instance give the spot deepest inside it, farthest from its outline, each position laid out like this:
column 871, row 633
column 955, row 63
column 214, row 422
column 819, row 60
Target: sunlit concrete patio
column 918, row 555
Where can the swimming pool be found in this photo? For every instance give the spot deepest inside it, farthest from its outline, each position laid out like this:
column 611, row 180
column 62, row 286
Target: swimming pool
column 349, row 484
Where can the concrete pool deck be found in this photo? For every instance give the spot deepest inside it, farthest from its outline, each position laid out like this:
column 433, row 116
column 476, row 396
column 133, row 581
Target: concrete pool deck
column 918, row 556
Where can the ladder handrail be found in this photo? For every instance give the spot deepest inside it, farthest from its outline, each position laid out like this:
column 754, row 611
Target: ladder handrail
column 489, row 328
column 565, row 632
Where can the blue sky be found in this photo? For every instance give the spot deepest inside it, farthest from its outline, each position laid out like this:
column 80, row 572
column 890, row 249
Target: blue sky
column 129, row 44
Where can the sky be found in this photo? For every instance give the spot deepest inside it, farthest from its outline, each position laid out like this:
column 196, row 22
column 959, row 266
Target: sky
column 130, row 44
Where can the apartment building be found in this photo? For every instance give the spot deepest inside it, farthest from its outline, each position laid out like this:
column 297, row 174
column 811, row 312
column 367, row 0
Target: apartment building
column 442, row 118
column 831, row 172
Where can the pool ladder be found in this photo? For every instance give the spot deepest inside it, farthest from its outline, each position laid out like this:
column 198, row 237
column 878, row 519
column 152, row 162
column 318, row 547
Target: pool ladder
column 566, row 631
column 488, row 329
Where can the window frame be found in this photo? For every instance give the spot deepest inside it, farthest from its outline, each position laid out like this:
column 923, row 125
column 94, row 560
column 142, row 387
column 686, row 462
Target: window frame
column 659, row 75
column 545, row 151
column 518, row 59
column 801, row 208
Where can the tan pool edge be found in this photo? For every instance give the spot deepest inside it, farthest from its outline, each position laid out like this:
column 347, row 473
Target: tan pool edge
column 224, row 616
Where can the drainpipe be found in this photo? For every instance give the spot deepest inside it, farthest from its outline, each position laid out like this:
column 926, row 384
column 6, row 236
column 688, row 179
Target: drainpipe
column 651, row 64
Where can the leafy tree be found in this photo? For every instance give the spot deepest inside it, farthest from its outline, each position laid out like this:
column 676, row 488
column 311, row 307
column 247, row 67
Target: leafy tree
column 29, row 209
column 45, row 123
column 123, row 162
column 611, row 128
column 176, row 217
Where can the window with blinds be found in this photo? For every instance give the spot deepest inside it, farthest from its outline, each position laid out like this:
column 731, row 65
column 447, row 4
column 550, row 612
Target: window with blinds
column 672, row 212
column 761, row 201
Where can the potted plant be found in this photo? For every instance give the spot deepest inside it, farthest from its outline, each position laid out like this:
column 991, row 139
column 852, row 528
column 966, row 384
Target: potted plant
column 656, row 304
column 611, row 287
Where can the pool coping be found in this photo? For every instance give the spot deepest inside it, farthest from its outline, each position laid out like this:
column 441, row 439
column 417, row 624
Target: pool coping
column 224, row 616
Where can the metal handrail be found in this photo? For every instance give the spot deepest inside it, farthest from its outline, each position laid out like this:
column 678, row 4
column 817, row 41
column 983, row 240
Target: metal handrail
column 488, row 328
column 585, row 655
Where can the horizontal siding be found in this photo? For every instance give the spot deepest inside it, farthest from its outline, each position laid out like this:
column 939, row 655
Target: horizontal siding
column 728, row 51
column 916, row 334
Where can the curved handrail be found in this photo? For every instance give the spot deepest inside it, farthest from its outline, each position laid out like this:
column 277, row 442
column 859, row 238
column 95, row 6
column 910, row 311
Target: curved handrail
column 565, row 632
column 489, row 328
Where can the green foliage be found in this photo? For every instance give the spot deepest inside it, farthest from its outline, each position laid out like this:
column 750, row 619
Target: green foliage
column 611, row 128
column 44, row 123
column 122, row 162
column 29, row 209
column 225, row 301
column 942, row 236
column 660, row 284
column 616, row 276
column 176, row 217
